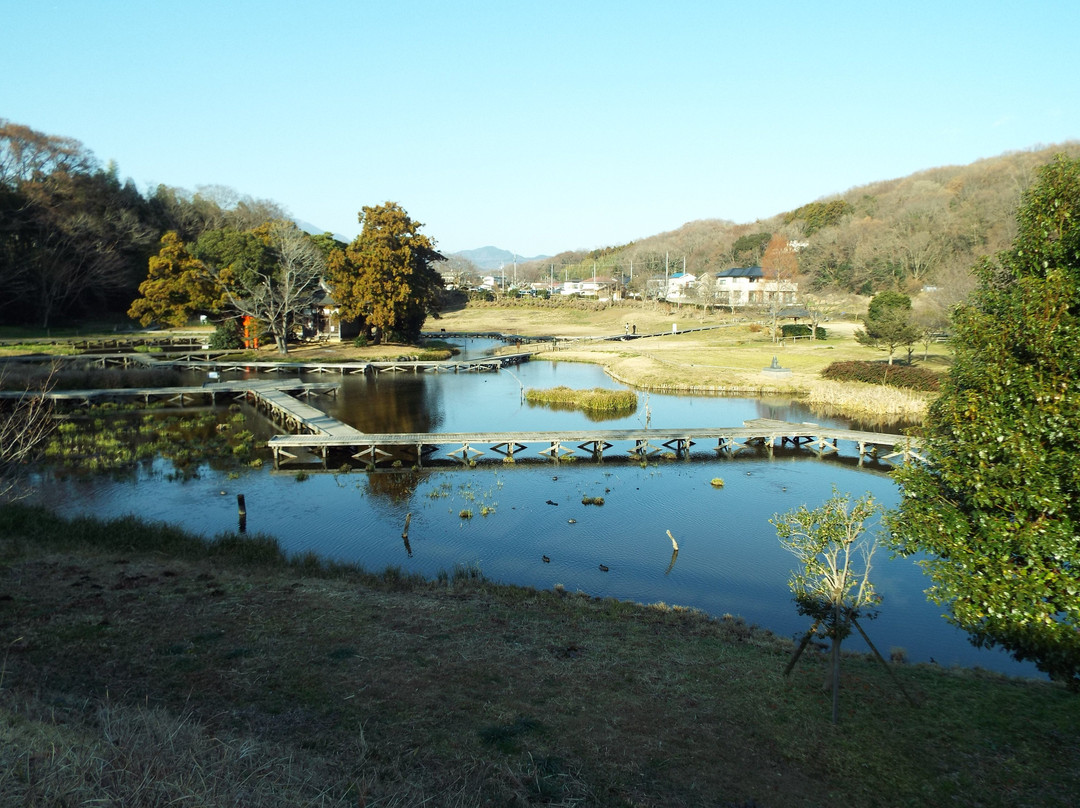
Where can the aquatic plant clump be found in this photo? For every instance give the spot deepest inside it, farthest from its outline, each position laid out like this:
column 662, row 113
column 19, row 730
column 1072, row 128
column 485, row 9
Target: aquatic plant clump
column 597, row 399
column 109, row 438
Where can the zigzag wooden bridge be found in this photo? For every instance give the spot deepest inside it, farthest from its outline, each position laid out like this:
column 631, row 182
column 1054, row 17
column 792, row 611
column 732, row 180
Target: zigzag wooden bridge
column 189, row 396
column 322, row 439
column 632, row 444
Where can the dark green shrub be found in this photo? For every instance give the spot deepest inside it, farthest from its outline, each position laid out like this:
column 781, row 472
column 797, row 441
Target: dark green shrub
column 800, row 330
column 227, row 336
column 905, row 376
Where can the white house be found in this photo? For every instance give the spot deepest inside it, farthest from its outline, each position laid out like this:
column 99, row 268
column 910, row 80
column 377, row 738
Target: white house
column 570, row 288
column 598, row 287
column 748, row 286
column 679, row 288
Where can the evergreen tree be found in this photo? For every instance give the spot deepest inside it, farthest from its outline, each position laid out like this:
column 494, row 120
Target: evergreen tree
column 177, row 285
column 386, row 278
column 997, row 508
column 888, row 323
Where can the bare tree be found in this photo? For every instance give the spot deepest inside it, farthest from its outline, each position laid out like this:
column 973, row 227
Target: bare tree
column 25, row 423
column 705, row 290
column 276, row 291
column 780, row 265
column 79, row 253
column 820, row 310
column 27, row 155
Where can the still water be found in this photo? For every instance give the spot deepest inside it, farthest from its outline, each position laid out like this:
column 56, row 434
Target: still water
column 729, row 559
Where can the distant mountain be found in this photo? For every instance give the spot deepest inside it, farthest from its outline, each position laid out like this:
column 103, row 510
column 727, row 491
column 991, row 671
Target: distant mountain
column 493, row 257
column 315, row 230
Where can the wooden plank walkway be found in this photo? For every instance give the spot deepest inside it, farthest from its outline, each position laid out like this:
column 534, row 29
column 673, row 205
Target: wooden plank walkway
column 301, row 417
column 207, row 360
column 638, row 444
column 487, row 364
column 180, row 396
column 272, row 397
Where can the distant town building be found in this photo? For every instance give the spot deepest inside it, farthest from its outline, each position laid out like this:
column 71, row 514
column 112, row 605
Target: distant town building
column 748, row 286
column 679, row 287
column 599, row 287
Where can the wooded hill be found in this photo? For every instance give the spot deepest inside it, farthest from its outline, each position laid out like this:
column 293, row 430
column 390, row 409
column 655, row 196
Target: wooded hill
column 928, row 228
column 75, row 239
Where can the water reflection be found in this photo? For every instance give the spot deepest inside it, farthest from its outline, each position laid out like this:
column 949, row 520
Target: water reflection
column 493, row 402
column 389, row 403
column 728, row 561
column 729, row 558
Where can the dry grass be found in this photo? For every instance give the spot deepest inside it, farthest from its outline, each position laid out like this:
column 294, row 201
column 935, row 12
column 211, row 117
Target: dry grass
column 597, row 399
column 571, row 318
column 105, row 752
column 137, row 671
column 866, row 401
column 732, row 360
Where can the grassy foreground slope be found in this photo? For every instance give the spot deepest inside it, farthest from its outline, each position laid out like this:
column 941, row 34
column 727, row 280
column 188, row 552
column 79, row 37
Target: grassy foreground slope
column 142, row 666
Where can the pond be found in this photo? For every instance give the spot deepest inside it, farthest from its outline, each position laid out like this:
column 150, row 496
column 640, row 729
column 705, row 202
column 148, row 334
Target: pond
column 506, row 519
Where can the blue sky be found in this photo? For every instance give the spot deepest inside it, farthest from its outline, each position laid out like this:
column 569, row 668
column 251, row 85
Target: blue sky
column 539, row 127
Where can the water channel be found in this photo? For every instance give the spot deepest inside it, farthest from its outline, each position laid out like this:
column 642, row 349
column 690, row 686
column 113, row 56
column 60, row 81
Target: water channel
column 729, row 560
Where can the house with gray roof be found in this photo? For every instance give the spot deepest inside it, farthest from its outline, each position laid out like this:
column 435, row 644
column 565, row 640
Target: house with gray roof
column 739, row 287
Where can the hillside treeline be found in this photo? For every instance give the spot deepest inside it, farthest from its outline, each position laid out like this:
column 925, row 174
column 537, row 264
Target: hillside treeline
column 75, row 239
column 928, row 228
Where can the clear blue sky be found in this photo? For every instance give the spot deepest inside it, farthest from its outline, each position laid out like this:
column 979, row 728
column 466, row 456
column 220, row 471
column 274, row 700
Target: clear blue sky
column 541, row 126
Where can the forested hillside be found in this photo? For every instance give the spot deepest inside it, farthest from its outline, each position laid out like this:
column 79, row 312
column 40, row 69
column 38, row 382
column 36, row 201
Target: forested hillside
column 925, row 229
column 75, row 239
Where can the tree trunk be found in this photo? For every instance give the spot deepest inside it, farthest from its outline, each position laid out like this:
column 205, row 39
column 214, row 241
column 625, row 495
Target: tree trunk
column 836, row 665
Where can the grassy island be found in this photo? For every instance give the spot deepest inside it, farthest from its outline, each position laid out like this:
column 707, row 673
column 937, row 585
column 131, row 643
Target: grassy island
column 596, row 400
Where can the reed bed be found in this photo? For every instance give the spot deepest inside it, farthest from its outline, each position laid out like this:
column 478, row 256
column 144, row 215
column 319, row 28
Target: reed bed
column 867, row 400
column 595, row 400
column 86, row 377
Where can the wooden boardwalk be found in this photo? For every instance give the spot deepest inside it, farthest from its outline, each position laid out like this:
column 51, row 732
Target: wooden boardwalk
column 635, row 444
column 210, row 360
column 298, row 416
column 318, row 437
column 275, row 398
column 487, row 364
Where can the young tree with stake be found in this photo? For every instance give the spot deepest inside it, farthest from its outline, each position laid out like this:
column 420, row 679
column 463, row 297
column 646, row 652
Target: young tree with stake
column 832, row 584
